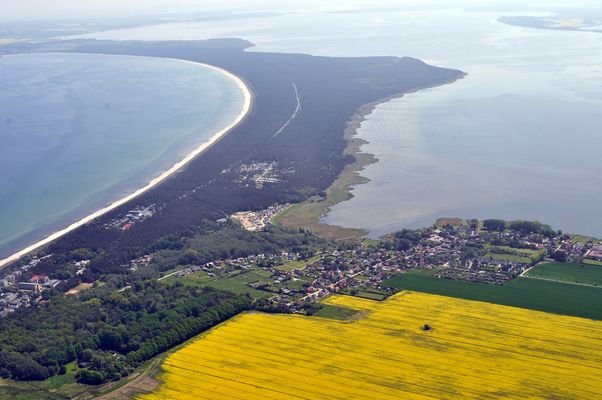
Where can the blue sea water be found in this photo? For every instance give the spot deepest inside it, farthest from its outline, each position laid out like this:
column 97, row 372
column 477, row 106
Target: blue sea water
column 78, row 132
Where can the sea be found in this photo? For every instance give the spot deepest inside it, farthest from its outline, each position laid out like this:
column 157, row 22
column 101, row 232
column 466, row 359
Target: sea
column 81, row 131
column 517, row 138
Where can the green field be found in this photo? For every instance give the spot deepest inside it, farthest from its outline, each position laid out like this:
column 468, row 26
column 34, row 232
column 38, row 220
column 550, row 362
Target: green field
column 335, row 312
column 508, row 257
column 366, row 294
column 301, row 264
column 592, row 262
column 236, row 284
column 295, row 284
column 57, row 387
column 568, row 272
column 583, row 239
column 510, row 254
column 534, row 294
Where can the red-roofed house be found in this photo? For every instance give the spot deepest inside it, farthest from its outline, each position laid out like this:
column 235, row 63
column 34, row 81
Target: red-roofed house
column 39, row 279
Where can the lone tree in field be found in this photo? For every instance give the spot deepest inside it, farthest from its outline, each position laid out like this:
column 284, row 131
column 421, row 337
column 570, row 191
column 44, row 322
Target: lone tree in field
column 426, row 327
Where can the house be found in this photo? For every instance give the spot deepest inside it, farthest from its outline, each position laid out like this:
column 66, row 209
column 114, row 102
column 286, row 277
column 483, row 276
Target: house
column 29, row 286
column 41, row 279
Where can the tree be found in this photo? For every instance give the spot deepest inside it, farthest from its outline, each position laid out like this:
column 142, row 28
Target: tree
column 559, row 256
column 494, row 225
column 90, row 377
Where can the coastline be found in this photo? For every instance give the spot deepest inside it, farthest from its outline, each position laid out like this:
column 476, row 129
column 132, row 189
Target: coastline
column 310, row 214
column 247, row 106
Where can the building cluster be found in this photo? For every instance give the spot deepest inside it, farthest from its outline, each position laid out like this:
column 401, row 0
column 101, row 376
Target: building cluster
column 255, row 221
column 595, row 253
column 18, row 291
column 259, row 174
column 132, row 217
column 452, row 252
column 140, row 262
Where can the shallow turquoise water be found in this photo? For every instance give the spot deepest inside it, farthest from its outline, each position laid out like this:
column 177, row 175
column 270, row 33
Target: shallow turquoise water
column 80, row 131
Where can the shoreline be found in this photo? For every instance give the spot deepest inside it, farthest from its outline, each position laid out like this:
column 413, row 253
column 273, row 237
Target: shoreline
column 355, row 143
column 247, row 106
column 311, row 213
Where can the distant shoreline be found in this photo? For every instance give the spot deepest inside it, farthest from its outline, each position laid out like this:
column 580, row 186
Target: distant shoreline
column 248, row 100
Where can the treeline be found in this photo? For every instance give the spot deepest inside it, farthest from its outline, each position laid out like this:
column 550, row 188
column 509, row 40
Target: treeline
column 522, row 227
column 108, row 334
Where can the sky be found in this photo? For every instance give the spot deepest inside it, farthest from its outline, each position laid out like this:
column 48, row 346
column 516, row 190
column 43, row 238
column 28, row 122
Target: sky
column 53, row 9
column 13, row 10
column 68, row 9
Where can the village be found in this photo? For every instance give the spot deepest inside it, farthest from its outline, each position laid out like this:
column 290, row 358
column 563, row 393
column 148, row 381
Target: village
column 292, row 282
column 465, row 252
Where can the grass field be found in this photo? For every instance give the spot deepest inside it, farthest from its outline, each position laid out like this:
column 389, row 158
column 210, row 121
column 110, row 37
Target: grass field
column 583, row 239
column 367, row 294
column 295, row 284
column 472, row 351
column 511, row 254
column 57, row 387
column 236, row 284
column 302, row 264
column 568, row 272
column 592, row 262
column 336, row 312
column 534, row 294
column 508, row 257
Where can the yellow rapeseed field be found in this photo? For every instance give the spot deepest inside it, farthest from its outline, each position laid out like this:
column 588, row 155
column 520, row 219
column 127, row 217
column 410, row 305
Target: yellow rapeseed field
column 473, row 351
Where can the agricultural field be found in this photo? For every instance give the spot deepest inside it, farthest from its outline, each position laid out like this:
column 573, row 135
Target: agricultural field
column 568, row 272
column 472, row 350
column 533, row 294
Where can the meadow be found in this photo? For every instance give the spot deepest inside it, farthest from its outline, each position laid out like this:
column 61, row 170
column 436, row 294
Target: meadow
column 237, row 283
column 472, row 350
column 568, row 272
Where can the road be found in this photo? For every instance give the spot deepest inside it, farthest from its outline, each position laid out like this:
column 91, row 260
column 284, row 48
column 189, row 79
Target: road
column 295, row 113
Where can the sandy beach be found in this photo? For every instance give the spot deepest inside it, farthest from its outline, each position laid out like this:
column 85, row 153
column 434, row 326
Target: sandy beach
column 157, row 180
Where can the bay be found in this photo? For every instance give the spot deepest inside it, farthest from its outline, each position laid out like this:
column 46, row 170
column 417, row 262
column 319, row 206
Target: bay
column 78, row 132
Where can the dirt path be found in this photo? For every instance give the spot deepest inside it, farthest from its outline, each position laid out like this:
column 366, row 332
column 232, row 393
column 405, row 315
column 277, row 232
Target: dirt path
column 142, row 382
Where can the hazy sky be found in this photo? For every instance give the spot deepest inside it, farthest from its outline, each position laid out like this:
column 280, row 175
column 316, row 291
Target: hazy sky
column 67, row 9
column 36, row 9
